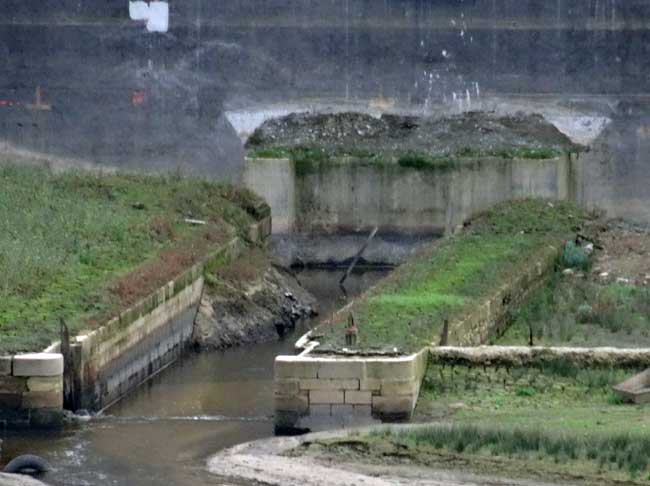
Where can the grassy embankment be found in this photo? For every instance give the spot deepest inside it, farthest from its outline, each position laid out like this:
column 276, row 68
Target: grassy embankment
column 554, row 422
column 560, row 415
column 82, row 247
column 407, row 310
column 581, row 312
column 306, row 156
column 505, row 453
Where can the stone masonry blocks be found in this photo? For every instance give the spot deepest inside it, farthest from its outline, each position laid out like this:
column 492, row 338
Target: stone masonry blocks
column 341, row 369
column 45, row 383
column 43, row 399
column 292, row 403
column 394, row 369
column 399, row 387
column 358, row 397
column 342, row 410
column 287, row 387
column 393, row 405
column 326, row 396
column 320, row 409
column 326, row 384
column 287, row 367
column 38, row 364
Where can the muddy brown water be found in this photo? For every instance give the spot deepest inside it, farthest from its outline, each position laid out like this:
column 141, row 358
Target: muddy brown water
column 163, row 432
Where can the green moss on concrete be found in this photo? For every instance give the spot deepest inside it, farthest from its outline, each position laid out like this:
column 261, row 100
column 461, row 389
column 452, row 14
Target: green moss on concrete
column 66, row 238
column 408, row 309
column 309, row 157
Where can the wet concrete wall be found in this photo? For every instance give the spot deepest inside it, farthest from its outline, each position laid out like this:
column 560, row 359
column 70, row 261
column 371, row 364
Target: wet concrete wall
column 351, row 198
column 152, row 93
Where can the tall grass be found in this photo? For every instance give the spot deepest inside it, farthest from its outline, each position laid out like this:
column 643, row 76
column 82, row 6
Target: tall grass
column 570, row 310
column 408, row 309
column 614, row 452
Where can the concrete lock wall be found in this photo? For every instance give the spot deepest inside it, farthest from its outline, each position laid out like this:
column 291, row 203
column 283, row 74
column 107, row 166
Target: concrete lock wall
column 349, row 198
column 112, row 360
column 31, row 390
column 309, row 386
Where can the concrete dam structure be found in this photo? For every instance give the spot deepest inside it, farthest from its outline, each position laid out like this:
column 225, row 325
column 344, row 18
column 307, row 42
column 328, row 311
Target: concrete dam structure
column 137, row 85
column 177, row 86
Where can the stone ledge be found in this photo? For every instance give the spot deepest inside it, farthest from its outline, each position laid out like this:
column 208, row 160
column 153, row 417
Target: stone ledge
column 329, row 384
column 358, row 397
column 38, row 364
column 526, row 356
column 326, row 397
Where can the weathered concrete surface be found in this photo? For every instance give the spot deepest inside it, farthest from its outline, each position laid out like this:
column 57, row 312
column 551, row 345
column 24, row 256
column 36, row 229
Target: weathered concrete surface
column 354, row 198
column 264, row 461
column 120, row 92
column 19, row 480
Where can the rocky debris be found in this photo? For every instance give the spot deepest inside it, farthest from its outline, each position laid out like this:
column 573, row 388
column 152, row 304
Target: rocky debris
column 450, row 134
column 250, row 305
column 622, row 253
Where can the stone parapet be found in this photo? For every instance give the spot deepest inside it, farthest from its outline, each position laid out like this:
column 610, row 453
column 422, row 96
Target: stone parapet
column 513, row 356
column 308, row 388
column 31, row 390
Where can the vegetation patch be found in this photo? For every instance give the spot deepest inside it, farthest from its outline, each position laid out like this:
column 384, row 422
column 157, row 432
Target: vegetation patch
column 407, row 310
column 556, row 412
column 309, row 157
column 82, row 247
column 578, row 311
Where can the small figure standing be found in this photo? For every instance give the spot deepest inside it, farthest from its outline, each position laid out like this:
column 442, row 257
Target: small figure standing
column 351, row 332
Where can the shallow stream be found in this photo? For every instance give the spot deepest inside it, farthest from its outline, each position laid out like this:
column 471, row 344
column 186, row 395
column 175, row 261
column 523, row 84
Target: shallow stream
column 163, row 432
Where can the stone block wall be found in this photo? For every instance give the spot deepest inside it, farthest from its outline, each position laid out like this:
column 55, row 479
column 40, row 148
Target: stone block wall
column 31, row 390
column 103, row 365
column 112, row 360
column 387, row 388
column 479, row 323
column 309, row 388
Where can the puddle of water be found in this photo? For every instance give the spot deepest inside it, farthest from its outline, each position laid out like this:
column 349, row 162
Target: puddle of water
column 164, row 431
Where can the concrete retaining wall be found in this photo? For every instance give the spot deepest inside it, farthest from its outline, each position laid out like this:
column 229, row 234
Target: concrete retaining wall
column 31, row 390
column 310, row 390
column 343, row 198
